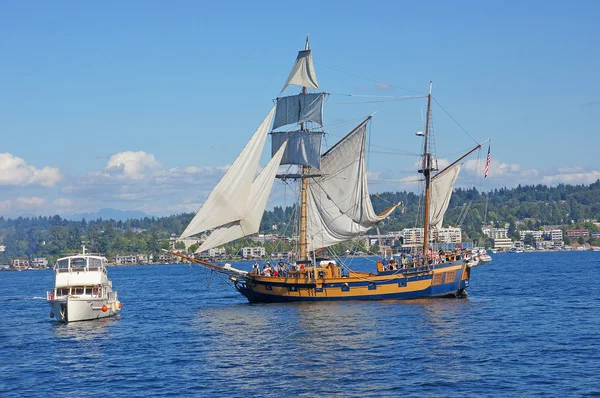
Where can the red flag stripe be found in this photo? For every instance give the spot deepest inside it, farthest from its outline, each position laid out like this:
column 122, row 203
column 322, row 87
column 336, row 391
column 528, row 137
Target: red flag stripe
column 487, row 164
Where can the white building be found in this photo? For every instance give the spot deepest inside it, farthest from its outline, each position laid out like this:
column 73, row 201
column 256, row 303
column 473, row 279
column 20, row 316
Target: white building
column 538, row 235
column 554, row 234
column 495, row 233
column 125, row 260
column 414, row 236
column 217, row 252
column 187, row 241
column 449, row 235
column 39, row 262
column 503, row 243
column 253, row 252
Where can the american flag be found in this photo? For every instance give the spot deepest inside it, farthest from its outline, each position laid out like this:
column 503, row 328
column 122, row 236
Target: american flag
column 487, row 164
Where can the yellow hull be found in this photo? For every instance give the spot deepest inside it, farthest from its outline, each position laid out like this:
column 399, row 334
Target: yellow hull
column 434, row 281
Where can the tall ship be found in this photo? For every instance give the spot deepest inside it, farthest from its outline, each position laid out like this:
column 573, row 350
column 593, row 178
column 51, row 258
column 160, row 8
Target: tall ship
column 334, row 207
column 82, row 290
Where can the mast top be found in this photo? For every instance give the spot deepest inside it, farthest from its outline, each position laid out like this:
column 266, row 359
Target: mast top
column 307, row 45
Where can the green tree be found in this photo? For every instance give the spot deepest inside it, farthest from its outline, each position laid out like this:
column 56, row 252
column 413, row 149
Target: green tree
column 529, row 240
column 375, row 249
column 192, row 249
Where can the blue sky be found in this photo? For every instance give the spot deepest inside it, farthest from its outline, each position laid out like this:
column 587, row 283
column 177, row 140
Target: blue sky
column 141, row 105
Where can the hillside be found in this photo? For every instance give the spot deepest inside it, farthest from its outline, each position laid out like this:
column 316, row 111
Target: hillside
column 534, row 206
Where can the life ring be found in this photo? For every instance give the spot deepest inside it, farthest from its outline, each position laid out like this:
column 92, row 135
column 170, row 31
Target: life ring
column 51, row 296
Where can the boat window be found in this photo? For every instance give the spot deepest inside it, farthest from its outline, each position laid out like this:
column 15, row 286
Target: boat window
column 95, row 263
column 62, row 292
column 78, row 290
column 78, row 262
column 62, row 264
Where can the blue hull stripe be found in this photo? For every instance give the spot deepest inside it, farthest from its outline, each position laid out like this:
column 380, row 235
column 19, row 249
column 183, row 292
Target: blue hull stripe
column 446, row 290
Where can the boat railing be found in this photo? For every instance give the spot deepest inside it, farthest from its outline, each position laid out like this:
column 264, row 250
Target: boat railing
column 80, row 269
column 50, row 294
column 112, row 296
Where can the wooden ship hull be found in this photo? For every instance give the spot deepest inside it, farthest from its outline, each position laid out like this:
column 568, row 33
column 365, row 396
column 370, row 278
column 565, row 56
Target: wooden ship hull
column 441, row 280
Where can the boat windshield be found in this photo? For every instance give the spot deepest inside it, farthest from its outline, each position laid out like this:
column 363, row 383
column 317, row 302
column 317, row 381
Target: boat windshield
column 62, row 264
column 78, row 262
column 95, row 263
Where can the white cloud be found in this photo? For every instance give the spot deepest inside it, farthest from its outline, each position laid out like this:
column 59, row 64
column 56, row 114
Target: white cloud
column 22, row 203
column 62, row 202
column 137, row 181
column 15, row 171
column 30, row 203
column 383, row 86
column 5, row 206
column 130, row 164
column 572, row 178
column 569, row 170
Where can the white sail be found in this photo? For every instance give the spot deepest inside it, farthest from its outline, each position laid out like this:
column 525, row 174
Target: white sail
column 303, row 147
column 227, row 202
column 249, row 223
column 442, row 185
column 303, row 73
column 339, row 207
column 299, row 109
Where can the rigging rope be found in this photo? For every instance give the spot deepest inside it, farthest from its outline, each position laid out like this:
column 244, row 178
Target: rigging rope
column 367, row 79
column 454, row 120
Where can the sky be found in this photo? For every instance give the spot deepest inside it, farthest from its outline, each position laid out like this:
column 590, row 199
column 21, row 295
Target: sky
column 142, row 105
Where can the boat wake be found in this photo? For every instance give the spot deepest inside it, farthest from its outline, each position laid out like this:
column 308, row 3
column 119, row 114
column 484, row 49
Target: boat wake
column 9, row 299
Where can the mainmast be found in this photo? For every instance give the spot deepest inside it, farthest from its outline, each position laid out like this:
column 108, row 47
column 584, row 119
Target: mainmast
column 303, row 185
column 304, row 148
column 426, row 170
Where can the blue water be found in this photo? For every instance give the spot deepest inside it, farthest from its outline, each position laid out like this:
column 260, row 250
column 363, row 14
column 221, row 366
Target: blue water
column 530, row 327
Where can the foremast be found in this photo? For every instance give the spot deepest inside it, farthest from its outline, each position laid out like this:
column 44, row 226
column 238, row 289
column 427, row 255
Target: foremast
column 303, row 242
column 305, row 152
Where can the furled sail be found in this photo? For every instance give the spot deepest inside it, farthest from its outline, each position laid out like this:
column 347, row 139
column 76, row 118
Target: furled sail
column 303, row 147
column 442, row 185
column 227, row 202
column 249, row 223
column 299, row 109
column 339, row 207
column 303, row 73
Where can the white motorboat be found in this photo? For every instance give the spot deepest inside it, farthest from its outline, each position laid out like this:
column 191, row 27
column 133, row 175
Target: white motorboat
column 82, row 290
column 483, row 256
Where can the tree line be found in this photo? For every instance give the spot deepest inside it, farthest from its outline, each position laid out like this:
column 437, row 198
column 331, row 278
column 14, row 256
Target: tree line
column 532, row 206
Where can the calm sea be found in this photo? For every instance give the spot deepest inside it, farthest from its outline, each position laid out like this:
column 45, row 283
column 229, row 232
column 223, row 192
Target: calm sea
column 530, row 327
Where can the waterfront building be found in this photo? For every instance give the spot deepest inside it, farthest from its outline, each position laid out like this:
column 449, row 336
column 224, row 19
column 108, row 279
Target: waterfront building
column 538, row 235
column 495, row 233
column 414, row 236
column 217, row 252
column 554, row 234
column 578, row 233
column 39, row 262
column 253, row 252
column 502, row 244
column 20, row 263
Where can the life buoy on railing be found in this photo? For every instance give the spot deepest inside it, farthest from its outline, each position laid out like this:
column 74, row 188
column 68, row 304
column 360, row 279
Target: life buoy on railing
column 51, row 296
